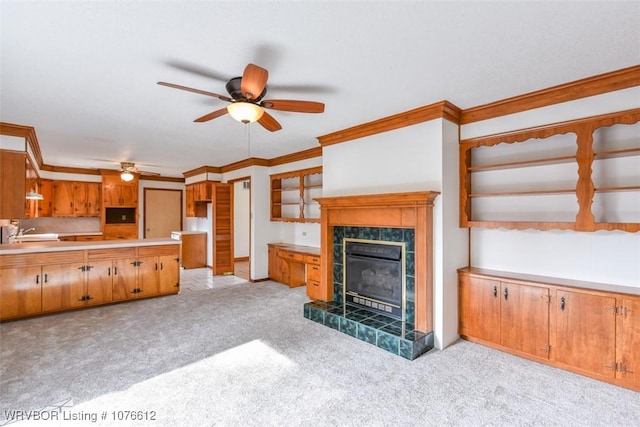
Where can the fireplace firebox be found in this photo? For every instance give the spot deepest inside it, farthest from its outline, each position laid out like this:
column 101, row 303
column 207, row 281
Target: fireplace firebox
column 374, row 275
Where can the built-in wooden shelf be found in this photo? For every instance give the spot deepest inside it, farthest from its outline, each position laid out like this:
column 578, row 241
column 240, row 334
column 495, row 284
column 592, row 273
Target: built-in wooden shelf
column 584, row 190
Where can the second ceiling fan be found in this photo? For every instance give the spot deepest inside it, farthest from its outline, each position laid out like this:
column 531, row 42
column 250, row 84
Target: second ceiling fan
column 246, row 95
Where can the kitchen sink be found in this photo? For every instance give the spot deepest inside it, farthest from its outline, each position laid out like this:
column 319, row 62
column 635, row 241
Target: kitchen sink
column 44, row 237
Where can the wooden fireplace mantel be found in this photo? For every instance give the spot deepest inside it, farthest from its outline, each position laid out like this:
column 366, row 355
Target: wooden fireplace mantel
column 393, row 210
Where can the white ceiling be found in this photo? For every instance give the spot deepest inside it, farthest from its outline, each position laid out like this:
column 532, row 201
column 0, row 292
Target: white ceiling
column 84, row 73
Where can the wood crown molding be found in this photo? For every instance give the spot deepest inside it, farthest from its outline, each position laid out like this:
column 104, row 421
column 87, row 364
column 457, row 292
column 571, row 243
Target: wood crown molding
column 438, row 110
column 369, row 201
column 590, row 86
column 201, row 170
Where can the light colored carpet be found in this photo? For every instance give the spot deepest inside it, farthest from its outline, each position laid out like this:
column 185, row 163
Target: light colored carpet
column 243, row 354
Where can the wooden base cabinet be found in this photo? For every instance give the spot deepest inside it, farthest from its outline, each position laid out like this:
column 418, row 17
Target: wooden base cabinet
column 155, row 271
column 294, row 265
column 504, row 313
column 568, row 324
column 39, row 283
column 20, row 292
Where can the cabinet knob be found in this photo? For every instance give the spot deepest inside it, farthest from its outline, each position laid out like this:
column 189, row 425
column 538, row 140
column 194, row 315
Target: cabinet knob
column 562, row 303
column 506, row 294
column 495, row 291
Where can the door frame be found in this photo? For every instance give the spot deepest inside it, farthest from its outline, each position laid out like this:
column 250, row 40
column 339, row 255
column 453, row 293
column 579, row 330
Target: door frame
column 144, row 216
column 233, row 214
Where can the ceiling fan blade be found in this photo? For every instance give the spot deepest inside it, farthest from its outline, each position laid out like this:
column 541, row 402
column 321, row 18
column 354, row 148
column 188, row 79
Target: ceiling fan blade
column 201, row 92
column 269, row 123
column 292, row 105
column 211, row 116
column 254, row 79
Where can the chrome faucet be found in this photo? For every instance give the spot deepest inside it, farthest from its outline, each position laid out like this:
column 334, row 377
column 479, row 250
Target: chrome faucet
column 22, row 231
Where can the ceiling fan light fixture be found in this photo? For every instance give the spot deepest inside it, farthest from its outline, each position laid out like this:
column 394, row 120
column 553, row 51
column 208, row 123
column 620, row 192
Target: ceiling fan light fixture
column 245, row 112
column 126, row 176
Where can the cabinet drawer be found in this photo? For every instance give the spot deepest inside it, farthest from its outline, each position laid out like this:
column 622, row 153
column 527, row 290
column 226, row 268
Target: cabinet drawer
column 313, row 273
column 291, row 256
column 312, row 259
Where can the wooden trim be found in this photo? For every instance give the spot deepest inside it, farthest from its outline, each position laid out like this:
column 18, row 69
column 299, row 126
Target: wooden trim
column 241, row 259
column 627, row 117
column 252, row 161
column 161, row 178
column 590, row 86
column 201, row 170
column 294, row 157
column 65, row 169
column 438, row 110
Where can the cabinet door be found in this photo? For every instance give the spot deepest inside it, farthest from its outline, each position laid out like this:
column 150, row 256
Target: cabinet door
column 147, row 274
column 629, row 333
column 124, row 279
column 168, row 274
column 479, row 308
column 62, row 286
column 585, row 332
column 63, row 198
column 12, row 183
column 191, row 204
column 99, row 289
column 20, row 292
column 86, row 198
column 525, row 318
column 45, row 207
column 79, row 199
column 129, row 194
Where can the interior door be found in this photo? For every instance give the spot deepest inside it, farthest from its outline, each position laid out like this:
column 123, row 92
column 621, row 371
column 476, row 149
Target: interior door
column 222, row 227
column 162, row 212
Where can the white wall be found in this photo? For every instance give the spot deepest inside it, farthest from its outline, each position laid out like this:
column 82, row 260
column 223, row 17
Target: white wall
column 422, row 157
column 611, row 257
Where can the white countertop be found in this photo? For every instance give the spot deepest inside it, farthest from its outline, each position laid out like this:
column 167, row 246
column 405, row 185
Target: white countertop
column 34, row 247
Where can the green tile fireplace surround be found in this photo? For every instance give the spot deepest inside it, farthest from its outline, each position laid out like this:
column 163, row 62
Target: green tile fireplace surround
column 386, row 332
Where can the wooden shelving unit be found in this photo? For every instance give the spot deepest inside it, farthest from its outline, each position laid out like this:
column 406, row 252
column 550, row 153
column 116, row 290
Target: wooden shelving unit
column 587, row 157
column 293, row 194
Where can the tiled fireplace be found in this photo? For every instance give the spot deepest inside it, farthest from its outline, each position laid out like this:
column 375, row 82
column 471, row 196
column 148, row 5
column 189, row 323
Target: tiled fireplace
column 396, row 224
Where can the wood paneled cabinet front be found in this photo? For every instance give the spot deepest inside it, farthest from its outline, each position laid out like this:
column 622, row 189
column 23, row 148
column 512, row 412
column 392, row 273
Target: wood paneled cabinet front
column 117, row 193
column 74, row 198
column 591, row 332
column 155, row 271
column 31, row 284
column 12, row 183
column 509, row 314
column 198, row 195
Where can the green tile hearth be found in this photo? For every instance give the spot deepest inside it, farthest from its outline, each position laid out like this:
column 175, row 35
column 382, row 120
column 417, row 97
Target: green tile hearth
column 385, row 332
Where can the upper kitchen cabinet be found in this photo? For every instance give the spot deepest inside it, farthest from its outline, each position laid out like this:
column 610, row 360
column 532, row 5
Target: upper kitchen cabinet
column 12, row 184
column 75, row 198
column 116, row 192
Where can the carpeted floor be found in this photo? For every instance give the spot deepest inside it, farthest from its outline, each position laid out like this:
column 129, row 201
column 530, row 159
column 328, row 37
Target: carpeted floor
column 241, row 354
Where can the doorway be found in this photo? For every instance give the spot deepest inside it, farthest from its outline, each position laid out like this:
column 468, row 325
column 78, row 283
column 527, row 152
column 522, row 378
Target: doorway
column 162, row 212
column 242, row 227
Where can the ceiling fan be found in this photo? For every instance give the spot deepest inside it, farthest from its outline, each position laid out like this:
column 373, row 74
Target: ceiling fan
column 246, row 95
column 127, row 169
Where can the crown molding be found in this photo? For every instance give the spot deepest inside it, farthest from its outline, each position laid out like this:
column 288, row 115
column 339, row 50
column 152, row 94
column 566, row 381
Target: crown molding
column 251, row 161
column 200, row 170
column 438, row 110
column 590, row 86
